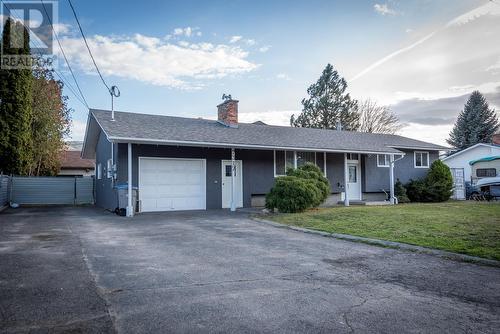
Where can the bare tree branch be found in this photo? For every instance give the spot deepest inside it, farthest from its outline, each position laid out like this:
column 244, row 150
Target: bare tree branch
column 377, row 119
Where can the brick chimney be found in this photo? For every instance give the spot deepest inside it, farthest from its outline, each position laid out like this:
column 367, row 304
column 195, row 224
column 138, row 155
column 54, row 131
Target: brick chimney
column 496, row 139
column 227, row 113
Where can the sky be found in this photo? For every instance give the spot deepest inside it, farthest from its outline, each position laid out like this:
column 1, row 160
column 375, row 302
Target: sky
column 422, row 58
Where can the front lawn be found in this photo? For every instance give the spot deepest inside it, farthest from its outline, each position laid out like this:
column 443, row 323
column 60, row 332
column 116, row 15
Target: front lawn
column 464, row 227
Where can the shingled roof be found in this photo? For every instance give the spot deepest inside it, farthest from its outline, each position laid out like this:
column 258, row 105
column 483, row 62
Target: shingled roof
column 72, row 160
column 158, row 129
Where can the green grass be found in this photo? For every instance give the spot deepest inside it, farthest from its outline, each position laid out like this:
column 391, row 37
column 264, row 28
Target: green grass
column 463, row 227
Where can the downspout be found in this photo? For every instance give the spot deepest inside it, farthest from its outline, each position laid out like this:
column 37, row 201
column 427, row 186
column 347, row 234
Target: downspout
column 130, row 208
column 391, row 178
column 233, row 183
column 346, row 179
column 393, row 198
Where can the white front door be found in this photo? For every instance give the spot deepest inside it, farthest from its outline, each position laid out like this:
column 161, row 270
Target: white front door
column 354, row 181
column 458, row 183
column 227, row 182
column 172, row 184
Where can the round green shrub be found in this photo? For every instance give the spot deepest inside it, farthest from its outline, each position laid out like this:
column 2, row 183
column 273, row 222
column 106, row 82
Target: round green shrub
column 292, row 194
column 301, row 189
column 312, row 172
column 437, row 186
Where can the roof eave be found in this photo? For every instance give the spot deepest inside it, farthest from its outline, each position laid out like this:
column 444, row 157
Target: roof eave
column 241, row 146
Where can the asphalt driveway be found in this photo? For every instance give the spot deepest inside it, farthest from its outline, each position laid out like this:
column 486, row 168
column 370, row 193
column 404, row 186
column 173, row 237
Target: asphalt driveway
column 86, row 270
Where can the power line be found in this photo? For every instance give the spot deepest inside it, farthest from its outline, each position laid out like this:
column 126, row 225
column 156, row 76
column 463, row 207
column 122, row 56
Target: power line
column 87, row 45
column 35, row 42
column 64, row 54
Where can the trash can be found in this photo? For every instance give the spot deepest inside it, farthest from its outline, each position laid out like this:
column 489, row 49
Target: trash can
column 122, row 190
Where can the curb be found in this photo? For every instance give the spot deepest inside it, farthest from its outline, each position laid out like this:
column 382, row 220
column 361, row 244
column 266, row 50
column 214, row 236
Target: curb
column 389, row 244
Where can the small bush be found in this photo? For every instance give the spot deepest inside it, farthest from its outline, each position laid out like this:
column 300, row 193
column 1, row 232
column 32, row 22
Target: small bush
column 415, row 190
column 301, row 189
column 437, row 186
column 292, row 194
column 439, row 182
column 400, row 192
column 312, row 172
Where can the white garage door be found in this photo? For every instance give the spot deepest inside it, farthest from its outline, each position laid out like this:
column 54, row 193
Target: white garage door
column 172, row 184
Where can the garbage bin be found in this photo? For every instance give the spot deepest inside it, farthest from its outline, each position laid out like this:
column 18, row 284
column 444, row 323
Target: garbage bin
column 122, row 190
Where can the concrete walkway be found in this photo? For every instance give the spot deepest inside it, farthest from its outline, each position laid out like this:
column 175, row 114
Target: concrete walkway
column 85, row 270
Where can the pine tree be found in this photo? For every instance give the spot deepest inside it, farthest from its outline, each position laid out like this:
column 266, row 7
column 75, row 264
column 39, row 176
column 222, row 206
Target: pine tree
column 328, row 104
column 475, row 124
column 15, row 103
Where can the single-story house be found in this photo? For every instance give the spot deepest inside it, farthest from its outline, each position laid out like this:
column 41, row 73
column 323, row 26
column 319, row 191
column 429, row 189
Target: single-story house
column 460, row 167
column 72, row 164
column 192, row 163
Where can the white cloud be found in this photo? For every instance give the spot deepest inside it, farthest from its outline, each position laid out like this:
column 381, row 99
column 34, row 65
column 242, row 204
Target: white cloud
column 158, row 62
column 436, row 134
column 450, row 61
column 77, row 130
column 235, row 39
column 282, row 76
column 427, row 82
column 389, row 57
column 271, row 117
column 250, row 42
column 384, row 9
column 408, row 30
column 264, row 48
column 62, row 28
column 187, row 32
column 490, row 8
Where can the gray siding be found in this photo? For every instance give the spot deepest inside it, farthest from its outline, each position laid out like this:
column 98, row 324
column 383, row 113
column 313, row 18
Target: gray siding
column 105, row 193
column 258, row 174
column 377, row 178
column 335, row 171
column 258, row 170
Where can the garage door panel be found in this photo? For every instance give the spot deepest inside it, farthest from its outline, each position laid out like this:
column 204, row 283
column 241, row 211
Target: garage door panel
column 172, row 184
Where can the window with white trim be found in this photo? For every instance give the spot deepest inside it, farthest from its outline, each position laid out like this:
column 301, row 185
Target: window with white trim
column 352, row 156
column 383, row 160
column 421, row 159
column 292, row 159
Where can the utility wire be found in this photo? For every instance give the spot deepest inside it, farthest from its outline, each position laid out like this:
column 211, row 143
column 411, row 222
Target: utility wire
column 87, row 44
column 35, row 42
column 64, row 54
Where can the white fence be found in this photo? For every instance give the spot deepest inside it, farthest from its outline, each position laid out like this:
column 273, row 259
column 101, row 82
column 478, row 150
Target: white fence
column 50, row 190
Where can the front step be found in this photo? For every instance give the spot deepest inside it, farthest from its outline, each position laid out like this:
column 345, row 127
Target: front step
column 353, row 202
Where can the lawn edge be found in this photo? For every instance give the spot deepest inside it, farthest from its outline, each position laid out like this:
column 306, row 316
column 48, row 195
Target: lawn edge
column 387, row 244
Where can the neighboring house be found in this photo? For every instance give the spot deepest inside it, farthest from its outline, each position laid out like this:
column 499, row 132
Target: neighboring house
column 72, row 164
column 460, row 167
column 485, row 167
column 187, row 163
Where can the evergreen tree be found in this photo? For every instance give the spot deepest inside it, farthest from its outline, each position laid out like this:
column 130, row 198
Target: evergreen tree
column 15, row 103
column 328, row 103
column 475, row 124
